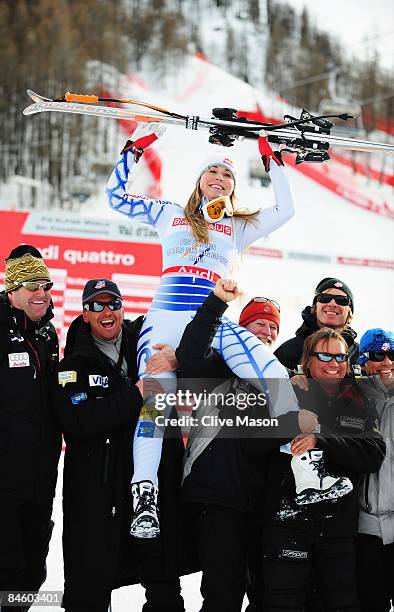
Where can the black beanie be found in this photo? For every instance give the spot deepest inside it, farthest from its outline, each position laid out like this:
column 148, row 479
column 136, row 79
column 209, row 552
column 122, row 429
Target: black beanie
column 334, row 283
column 22, row 249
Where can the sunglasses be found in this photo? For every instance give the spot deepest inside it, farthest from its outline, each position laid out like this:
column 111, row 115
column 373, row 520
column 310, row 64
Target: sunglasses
column 265, row 299
column 326, row 357
column 325, row 298
column 32, row 286
column 99, row 306
column 379, row 355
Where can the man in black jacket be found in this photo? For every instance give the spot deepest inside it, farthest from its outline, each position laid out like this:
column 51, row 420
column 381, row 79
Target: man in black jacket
column 98, row 401
column 30, row 440
column 224, row 477
column 333, row 307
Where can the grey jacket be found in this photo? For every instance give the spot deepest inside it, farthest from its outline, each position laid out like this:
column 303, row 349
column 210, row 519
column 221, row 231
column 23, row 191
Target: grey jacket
column 377, row 491
column 198, row 441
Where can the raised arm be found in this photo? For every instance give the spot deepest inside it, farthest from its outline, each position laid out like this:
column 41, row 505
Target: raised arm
column 269, row 219
column 136, row 207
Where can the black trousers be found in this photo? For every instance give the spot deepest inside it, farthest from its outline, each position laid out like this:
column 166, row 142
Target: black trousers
column 254, row 568
column 292, row 561
column 162, row 586
column 375, row 571
column 221, row 539
column 25, row 532
column 161, row 596
column 164, row 594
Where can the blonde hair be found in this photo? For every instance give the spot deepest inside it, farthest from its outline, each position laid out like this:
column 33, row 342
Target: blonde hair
column 199, row 225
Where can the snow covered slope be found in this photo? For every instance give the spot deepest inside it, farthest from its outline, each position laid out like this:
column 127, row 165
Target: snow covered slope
column 327, row 237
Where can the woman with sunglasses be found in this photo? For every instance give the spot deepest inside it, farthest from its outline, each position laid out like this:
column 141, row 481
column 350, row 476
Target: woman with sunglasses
column 310, row 518
column 333, row 307
column 201, row 242
column 375, row 543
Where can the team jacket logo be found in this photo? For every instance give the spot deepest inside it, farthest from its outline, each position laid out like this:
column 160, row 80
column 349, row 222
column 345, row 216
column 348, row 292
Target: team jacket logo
column 351, row 422
column 68, row 376
column 96, row 380
column 100, row 284
column 215, row 227
column 18, row 360
column 78, row 398
column 294, row 554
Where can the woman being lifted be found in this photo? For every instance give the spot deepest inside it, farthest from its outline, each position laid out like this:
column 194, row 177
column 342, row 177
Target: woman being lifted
column 200, row 243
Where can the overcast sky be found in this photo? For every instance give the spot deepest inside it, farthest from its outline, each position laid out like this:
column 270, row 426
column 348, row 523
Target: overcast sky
column 353, row 21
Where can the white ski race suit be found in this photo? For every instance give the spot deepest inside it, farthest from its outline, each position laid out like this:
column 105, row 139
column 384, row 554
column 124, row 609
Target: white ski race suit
column 190, row 271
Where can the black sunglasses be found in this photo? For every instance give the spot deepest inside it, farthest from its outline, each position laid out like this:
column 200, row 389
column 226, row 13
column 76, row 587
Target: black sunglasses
column 379, row 355
column 33, row 286
column 99, row 306
column 326, row 357
column 325, row 298
column 264, row 299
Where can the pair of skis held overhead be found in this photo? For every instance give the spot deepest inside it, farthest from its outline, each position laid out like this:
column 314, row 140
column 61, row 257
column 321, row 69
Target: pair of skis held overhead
column 309, row 136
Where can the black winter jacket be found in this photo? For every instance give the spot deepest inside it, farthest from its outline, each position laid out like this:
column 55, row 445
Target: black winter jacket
column 289, row 353
column 230, row 471
column 351, row 446
column 98, row 408
column 30, row 438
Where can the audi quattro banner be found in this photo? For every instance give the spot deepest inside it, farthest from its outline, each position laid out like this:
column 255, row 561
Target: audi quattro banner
column 77, row 248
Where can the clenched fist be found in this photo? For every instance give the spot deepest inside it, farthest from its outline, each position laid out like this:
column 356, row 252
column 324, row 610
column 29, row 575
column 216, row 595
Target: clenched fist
column 226, row 290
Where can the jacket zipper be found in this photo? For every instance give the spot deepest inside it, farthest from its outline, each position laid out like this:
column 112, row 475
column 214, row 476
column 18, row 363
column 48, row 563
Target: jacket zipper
column 367, row 506
column 366, row 498
column 106, row 459
column 37, row 357
column 35, row 375
column 106, row 468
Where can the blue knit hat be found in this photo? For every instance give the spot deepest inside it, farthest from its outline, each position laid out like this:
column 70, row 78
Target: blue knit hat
column 375, row 339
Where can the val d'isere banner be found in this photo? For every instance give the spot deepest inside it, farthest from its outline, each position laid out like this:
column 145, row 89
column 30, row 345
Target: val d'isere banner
column 77, row 248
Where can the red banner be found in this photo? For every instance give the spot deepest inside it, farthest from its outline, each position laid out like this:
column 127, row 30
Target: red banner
column 77, row 248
